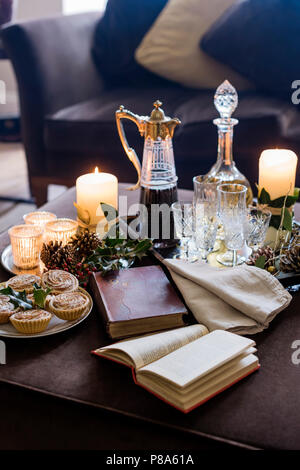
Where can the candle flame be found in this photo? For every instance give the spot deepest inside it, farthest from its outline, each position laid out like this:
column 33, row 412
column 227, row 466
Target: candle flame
column 96, row 170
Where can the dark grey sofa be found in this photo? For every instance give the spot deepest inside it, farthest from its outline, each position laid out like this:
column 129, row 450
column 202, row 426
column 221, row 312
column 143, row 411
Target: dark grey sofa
column 67, row 111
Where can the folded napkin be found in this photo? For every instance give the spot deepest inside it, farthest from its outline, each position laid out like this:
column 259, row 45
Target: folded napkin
column 243, row 299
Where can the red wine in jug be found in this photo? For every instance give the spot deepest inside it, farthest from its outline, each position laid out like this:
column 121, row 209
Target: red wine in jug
column 157, row 221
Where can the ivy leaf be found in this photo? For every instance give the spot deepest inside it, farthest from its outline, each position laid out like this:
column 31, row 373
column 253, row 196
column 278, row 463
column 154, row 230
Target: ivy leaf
column 264, row 197
column 18, row 299
column 287, row 220
column 40, row 295
column 260, row 262
column 279, row 202
column 110, row 212
column 275, row 221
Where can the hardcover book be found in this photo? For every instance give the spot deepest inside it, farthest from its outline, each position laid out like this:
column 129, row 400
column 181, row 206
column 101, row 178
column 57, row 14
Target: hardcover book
column 187, row 366
column 136, row 301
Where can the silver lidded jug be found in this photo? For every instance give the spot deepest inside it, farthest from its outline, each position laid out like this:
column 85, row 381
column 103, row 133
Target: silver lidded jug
column 157, row 175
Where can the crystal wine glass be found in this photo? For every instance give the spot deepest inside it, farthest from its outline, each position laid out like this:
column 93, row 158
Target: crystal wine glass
column 183, row 221
column 232, row 213
column 257, row 225
column 205, row 214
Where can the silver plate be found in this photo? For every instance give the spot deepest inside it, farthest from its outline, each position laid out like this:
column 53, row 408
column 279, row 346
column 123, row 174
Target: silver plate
column 8, row 264
column 55, row 326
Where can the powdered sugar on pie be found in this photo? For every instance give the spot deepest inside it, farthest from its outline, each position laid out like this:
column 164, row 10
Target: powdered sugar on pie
column 5, row 304
column 6, row 308
column 31, row 315
column 60, row 281
column 70, row 300
column 23, row 282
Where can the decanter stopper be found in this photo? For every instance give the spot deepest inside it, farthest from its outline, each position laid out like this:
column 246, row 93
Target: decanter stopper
column 226, row 99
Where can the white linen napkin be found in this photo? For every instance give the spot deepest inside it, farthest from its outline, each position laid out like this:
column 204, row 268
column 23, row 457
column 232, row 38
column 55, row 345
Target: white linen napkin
column 243, row 299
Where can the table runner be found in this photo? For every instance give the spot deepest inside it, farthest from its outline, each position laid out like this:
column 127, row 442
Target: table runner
column 262, row 411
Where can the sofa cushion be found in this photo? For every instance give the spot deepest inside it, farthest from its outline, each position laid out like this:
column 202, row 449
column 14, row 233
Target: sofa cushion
column 116, row 37
column 88, row 131
column 259, row 39
column 171, row 46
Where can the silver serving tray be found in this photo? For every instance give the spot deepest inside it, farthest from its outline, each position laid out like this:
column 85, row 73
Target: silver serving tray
column 8, row 264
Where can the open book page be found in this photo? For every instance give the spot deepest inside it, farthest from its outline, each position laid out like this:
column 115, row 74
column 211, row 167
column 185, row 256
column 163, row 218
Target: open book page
column 198, row 358
column 148, row 378
column 203, row 390
column 144, row 350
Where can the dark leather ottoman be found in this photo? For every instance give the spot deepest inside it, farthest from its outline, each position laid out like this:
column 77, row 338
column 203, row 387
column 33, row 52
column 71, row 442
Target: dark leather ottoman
column 57, row 395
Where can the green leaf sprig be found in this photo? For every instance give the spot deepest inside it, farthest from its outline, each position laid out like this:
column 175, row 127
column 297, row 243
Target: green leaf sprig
column 260, row 262
column 40, row 295
column 264, row 198
column 20, row 300
column 284, row 203
column 118, row 253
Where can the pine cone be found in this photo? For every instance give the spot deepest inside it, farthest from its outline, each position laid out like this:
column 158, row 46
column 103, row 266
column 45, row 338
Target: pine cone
column 295, row 236
column 290, row 259
column 66, row 256
column 85, row 243
column 49, row 250
column 54, row 255
column 265, row 251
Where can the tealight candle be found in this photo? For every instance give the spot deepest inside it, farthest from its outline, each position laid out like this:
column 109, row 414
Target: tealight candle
column 60, row 230
column 39, row 218
column 26, row 243
column 93, row 188
column 277, row 172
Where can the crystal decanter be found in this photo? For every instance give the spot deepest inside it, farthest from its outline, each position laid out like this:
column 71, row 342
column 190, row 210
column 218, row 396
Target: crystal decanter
column 225, row 170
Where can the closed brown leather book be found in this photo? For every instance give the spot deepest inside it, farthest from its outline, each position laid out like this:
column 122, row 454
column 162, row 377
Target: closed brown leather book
column 136, row 301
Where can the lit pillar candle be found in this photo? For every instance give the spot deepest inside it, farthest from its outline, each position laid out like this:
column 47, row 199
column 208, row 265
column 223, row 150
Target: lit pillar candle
column 93, row 188
column 277, row 172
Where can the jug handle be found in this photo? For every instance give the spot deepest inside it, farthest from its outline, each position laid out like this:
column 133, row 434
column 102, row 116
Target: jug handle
column 131, row 154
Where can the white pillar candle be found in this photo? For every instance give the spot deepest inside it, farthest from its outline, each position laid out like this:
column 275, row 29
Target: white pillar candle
column 93, row 188
column 277, row 172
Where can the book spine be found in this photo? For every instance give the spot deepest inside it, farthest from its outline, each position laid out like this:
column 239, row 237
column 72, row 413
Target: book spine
column 100, row 304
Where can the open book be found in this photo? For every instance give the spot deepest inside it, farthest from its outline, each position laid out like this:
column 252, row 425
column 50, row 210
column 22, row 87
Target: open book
column 187, row 366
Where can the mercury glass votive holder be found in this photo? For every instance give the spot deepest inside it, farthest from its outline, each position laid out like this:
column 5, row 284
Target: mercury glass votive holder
column 39, row 218
column 60, row 230
column 26, row 243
